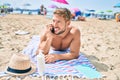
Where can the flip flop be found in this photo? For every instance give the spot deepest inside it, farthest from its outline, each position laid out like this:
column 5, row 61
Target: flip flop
column 19, row 32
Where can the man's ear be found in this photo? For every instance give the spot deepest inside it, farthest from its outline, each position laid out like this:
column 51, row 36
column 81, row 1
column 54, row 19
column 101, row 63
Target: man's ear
column 68, row 22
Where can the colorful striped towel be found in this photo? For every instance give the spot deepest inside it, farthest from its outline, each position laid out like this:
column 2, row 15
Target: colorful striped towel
column 70, row 67
column 80, row 67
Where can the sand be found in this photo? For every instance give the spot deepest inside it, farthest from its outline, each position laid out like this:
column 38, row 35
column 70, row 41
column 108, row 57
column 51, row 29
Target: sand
column 100, row 40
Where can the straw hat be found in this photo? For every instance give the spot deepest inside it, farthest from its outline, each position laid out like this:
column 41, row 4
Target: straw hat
column 20, row 65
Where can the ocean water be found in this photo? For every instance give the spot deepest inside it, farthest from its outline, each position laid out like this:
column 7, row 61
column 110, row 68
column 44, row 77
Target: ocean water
column 50, row 13
column 32, row 11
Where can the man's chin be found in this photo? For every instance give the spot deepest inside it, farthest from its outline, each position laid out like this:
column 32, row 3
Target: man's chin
column 59, row 33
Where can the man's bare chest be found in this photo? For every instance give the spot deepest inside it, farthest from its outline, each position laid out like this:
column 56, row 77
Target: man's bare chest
column 60, row 43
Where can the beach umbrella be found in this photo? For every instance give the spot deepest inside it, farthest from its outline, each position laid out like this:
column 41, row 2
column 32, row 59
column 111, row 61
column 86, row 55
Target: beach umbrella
column 101, row 12
column 7, row 4
column 75, row 9
column 26, row 5
column 17, row 9
column 3, row 6
column 61, row 1
column 90, row 10
column 117, row 5
column 53, row 6
column 109, row 11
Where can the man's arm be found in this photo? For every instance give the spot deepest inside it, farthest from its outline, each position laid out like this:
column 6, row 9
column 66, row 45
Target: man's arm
column 41, row 44
column 74, row 47
column 46, row 40
column 45, row 45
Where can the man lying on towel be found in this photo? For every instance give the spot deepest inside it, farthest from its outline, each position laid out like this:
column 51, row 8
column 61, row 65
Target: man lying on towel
column 60, row 36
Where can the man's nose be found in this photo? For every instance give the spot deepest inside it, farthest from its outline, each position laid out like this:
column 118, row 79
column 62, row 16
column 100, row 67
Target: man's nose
column 55, row 24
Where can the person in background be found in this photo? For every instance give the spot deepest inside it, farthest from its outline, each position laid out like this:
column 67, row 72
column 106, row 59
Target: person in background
column 42, row 9
column 45, row 11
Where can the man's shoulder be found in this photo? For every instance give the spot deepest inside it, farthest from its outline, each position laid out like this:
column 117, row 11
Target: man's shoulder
column 74, row 30
column 75, row 33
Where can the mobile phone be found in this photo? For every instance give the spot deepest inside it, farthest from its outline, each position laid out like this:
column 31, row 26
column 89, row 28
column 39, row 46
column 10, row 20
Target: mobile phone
column 52, row 30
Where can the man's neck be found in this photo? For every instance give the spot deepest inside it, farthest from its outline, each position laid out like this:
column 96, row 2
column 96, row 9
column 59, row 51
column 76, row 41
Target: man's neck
column 63, row 35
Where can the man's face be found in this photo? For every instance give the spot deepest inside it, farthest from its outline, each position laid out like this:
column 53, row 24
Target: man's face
column 59, row 24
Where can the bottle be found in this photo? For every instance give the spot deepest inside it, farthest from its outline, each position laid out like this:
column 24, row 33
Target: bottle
column 41, row 63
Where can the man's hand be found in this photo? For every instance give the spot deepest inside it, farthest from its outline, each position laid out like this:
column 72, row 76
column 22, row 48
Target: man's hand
column 49, row 32
column 50, row 58
column 49, row 28
column 37, row 52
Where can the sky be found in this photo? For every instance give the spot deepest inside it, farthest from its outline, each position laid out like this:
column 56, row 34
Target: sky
column 98, row 5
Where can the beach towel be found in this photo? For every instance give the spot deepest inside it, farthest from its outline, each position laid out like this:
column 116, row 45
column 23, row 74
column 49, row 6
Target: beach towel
column 80, row 67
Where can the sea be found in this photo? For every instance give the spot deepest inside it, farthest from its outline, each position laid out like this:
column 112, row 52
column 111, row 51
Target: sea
column 50, row 13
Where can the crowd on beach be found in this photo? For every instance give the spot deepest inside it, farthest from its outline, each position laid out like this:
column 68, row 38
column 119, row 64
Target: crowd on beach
column 6, row 10
column 76, row 15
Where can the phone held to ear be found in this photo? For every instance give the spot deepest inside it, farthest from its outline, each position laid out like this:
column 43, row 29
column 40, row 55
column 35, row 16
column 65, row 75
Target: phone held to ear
column 52, row 30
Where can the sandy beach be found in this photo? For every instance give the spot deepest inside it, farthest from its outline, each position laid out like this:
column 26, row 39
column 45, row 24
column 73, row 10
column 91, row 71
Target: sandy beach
column 100, row 40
